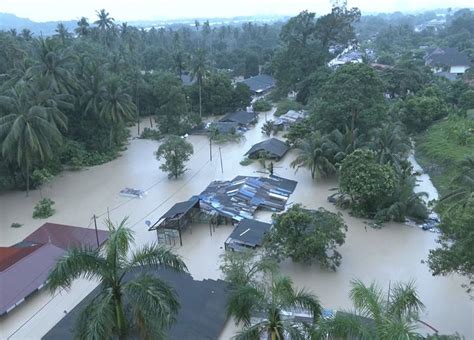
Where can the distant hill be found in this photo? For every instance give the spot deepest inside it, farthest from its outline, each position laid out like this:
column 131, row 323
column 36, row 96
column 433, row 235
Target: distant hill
column 9, row 21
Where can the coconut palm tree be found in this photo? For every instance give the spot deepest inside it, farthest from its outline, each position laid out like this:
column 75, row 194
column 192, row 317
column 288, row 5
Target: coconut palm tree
column 82, row 28
column 143, row 304
column 26, row 130
column 340, row 144
column 199, row 73
column 390, row 143
column 93, row 87
column 313, row 155
column 406, row 202
column 53, row 66
column 104, row 21
column 62, row 33
column 116, row 106
column 261, row 309
column 377, row 315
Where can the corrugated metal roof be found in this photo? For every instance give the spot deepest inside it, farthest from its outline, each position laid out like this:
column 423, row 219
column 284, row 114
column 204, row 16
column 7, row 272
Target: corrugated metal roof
column 275, row 147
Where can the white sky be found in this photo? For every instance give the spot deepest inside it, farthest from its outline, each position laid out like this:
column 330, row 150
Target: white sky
column 123, row 10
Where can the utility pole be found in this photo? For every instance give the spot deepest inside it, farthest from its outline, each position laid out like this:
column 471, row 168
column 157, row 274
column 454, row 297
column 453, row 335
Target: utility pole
column 210, row 148
column 96, row 232
column 220, row 154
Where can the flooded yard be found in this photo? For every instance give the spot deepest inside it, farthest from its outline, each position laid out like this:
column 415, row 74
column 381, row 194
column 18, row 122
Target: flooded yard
column 391, row 254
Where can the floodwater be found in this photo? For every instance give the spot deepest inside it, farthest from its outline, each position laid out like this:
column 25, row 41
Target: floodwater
column 394, row 253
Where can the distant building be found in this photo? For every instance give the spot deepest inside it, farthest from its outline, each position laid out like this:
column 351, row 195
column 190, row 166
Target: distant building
column 260, row 84
column 290, row 118
column 187, row 80
column 349, row 55
column 448, row 59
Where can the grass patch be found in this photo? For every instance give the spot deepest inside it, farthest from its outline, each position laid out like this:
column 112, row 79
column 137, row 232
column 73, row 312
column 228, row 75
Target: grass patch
column 440, row 149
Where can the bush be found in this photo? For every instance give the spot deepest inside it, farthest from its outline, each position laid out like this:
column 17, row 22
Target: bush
column 152, row 134
column 76, row 155
column 16, row 225
column 44, row 208
column 262, row 105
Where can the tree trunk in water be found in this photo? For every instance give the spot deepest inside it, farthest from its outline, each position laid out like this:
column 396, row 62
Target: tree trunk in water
column 200, row 99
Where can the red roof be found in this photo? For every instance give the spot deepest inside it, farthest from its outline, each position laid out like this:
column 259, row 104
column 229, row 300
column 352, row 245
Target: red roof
column 11, row 255
column 65, row 236
column 25, row 266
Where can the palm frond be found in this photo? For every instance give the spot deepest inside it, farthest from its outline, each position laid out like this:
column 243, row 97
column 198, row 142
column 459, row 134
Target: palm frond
column 152, row 255
column 404, row 301
column 243, row 302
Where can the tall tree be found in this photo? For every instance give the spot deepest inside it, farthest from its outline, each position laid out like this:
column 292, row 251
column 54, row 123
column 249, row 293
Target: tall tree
column 144, row 303
column 82, row 28
column 199, row 72
column 26, row 132
column 104, row 21
column 175, row 151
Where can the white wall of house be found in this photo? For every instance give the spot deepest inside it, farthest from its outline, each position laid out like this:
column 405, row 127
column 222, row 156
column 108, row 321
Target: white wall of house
column 458, row 69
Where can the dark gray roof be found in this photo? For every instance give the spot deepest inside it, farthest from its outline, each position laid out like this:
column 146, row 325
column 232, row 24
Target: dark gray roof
column 260, row 83
column 275, row 147
column 202, row 314
column 448, row 56
column 239, row 117
column 250, row 232
column 225, row 127
column 177, row 210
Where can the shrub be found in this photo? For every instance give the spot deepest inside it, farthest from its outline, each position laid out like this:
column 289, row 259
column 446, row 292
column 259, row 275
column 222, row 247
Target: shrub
column 246, row 161
column 44, row 208
column 262, row 105
column 152, row 134
column 16, row 225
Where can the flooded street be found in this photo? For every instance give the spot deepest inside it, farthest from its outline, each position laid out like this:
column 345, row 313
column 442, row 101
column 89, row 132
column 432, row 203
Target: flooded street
column 391, row 254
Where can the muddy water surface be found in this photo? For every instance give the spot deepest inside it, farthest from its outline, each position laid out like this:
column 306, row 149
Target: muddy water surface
column 391, row 254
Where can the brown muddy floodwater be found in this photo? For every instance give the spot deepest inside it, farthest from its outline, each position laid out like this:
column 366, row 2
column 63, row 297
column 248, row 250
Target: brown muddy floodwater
column 394, row 253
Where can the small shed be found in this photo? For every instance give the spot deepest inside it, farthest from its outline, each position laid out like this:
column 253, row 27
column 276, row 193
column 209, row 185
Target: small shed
column 241, row 118
column 275, row 149
column 247, row 234
column 177, row 218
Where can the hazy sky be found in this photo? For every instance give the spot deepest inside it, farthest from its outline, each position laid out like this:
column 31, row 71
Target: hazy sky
column 123, row 10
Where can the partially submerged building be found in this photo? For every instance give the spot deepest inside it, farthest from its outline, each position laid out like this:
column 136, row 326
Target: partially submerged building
column 290, row 118
column 273, row 149
column 241, row 118
column 248, row 234
column 25, row 266
column 228, row 202
column 202, row 313
column 260, row 84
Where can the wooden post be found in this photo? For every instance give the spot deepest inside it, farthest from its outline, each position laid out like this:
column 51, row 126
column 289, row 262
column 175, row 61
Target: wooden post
column 220, row 154
column 210, row 149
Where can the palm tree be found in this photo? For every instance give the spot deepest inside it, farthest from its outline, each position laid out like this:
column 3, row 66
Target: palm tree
column 52, row 66
column 312, row 155
column 82, row 28
column 105, row 21
column 406, row 202
column 340, row 144
column 93, row 87
column 26, row 131
column 261, row 309
column 390, row 143
column 62, row 32
column 144, row 303
column 461, row 187
column 199, row 72
column 116, row 106
column 26, row 34
column 377, row 315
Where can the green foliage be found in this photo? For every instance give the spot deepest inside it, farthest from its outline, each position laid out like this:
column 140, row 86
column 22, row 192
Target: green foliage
column 285, row 105
column 377, row 315
column 298, row 132
column 307, row 236
column 261, row 105
column 141, row 307
column 466, row 100
column 44, row 208
column 367, row 182
column 352, row 96
column 175, row 151
column 418, row 112
column 16, row 225
column 268, row 128
column 152, row 134
column 456, row 242
column 41, row 177
column 246, row 161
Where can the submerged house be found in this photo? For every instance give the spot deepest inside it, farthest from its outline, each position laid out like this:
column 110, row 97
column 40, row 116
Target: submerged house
column 290, row 118
column 241, row 118
column 247, row 234
column 24, row 267
column 449, row 60
column 202, row 313
column 273, row 148
column 260, row 84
